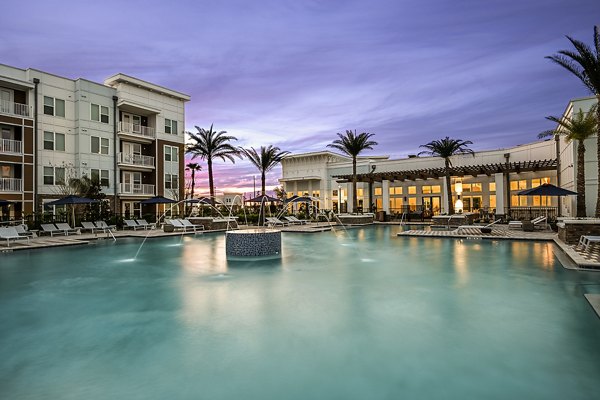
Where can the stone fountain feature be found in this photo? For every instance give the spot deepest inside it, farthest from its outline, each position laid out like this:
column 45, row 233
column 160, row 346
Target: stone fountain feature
column 259, row 242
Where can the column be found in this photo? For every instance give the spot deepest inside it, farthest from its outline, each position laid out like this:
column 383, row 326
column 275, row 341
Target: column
column 385, row 193
column 500, row 193
column 444, row 205
column 350, row 197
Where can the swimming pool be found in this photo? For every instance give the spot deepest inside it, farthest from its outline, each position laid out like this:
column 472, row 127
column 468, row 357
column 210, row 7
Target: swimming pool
column 356, row 315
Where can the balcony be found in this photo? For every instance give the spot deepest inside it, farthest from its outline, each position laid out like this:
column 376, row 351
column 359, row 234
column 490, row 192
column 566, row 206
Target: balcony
column 11, row 146
column 136, row 189
column 136, row 160
column 136, row 130
column 11, row 185
column 21, row 110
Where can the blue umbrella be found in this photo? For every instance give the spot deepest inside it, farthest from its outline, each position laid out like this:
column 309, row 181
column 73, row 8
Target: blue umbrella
column 158, row 200
column 5, row 202
column 546, row 189
column 72, row 199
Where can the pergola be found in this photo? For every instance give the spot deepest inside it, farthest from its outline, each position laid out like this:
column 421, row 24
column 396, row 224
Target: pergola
column 457, row 171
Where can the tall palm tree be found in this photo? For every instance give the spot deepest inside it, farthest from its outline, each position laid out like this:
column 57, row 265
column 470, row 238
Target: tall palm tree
column 446, row 148
column 208, row 145
column 352, row 145
column 579, row 127
column 584, row 63
column 193, row 168
column 265, row 161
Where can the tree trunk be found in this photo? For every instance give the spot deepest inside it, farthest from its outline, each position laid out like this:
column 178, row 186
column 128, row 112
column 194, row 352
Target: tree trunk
column 262, row 203
column 354, row 197
column 193, row 181
column 211, row 185
column 597, row 215
column 263, row 178
column 449, row 188
column 580, row 179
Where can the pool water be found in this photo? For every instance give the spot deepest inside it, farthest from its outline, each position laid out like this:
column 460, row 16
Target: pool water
column 360, row 314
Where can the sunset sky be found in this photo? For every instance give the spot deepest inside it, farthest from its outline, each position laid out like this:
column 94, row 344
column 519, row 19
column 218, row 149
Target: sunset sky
column 293, row 73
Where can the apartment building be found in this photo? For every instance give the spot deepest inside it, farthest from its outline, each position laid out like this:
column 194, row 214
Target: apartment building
column 126, row 132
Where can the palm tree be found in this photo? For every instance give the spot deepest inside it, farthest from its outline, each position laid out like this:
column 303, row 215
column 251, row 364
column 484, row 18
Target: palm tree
column 352, row 145
column 268, row 158
column 578, row 127
column 193, row 167
column 584, row 63
column 209, row 145
column 446, row 148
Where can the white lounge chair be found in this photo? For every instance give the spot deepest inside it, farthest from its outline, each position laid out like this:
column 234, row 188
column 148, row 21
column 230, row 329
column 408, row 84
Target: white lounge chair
column 291, row 221
column 63, row 226
column 188, row 224
column 131, row 224
column 23, row 231
column 89, row 226
column 276, row 221
column 292, row 218
column 10, row 233
column 587, row 240
column 519, row 224
column 105, row 226
column 52, row 230
column 144, row 224
column 179, row 226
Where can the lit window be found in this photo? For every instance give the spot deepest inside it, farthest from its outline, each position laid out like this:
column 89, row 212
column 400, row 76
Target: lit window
column 426, row 189
column 377, row 191
column 436, row 189
column 492, row 186
column 412, row 190
column 475, row 187
column 492, row 201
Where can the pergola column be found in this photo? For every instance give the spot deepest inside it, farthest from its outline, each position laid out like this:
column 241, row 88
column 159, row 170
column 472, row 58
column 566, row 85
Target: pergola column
column 444, row 197
column 385, row 192
column 500, row 193
column 349, row 197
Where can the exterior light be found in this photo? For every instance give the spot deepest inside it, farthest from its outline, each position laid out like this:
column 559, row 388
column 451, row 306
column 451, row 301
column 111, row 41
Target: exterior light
column 458, row 187
column 458, row 206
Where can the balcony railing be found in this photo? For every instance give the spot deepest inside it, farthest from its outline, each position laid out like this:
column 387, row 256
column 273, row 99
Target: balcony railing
column 22, row 110
column 11, row 185
column 136, row 160
column 137, row 130
column 136, row 188
column 11, row 146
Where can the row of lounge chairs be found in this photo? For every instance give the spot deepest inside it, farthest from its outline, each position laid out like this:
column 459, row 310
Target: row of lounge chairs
column 291, row 220
column 10, row 233
column 184, row 225
column 137, row 224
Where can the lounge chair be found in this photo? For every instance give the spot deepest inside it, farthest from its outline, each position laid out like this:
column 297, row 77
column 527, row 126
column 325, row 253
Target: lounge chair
column 144, row 224
column 292, row 218
column 23, row 231
column 10, row 233
column 105, row 226
column 178, row 225
column 519, row 224
column 131, row 224
column 188, row 224
column 291, row 221
column 63, row 226
column 586, row 241
column 89, row 226
column 272, row 221
column 52, row 230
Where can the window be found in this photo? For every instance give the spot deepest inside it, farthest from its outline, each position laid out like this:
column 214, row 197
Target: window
column 518, row 185
column 54, row 176
column 396, row 190
column 492, row 188
column 54, row 106
column 412, row 190
column 101, row 175
column 395, row 203
column 99, row 113
column 431, row 189
column 99, row 145
column 492, row 201
column 539, row 181
column 54, row 141
column 377, row 191
column 171, row 181
column 170, row 126
column 518, row 201
column 316, row 193
column 359, row 193
column 171, row 153
column 334, row 193
column 475, row 187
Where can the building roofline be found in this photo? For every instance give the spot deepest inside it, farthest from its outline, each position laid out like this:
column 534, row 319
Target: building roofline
column 120, row 77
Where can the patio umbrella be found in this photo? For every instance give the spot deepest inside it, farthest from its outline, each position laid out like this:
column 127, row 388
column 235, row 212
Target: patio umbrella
column 72, row 200
column 5, row 202
column 263, row 198
column 158, row 200
column 291, row 199
column 546, row 189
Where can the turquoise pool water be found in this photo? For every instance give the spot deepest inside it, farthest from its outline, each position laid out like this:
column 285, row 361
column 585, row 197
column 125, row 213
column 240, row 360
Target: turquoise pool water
column 365, row 315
